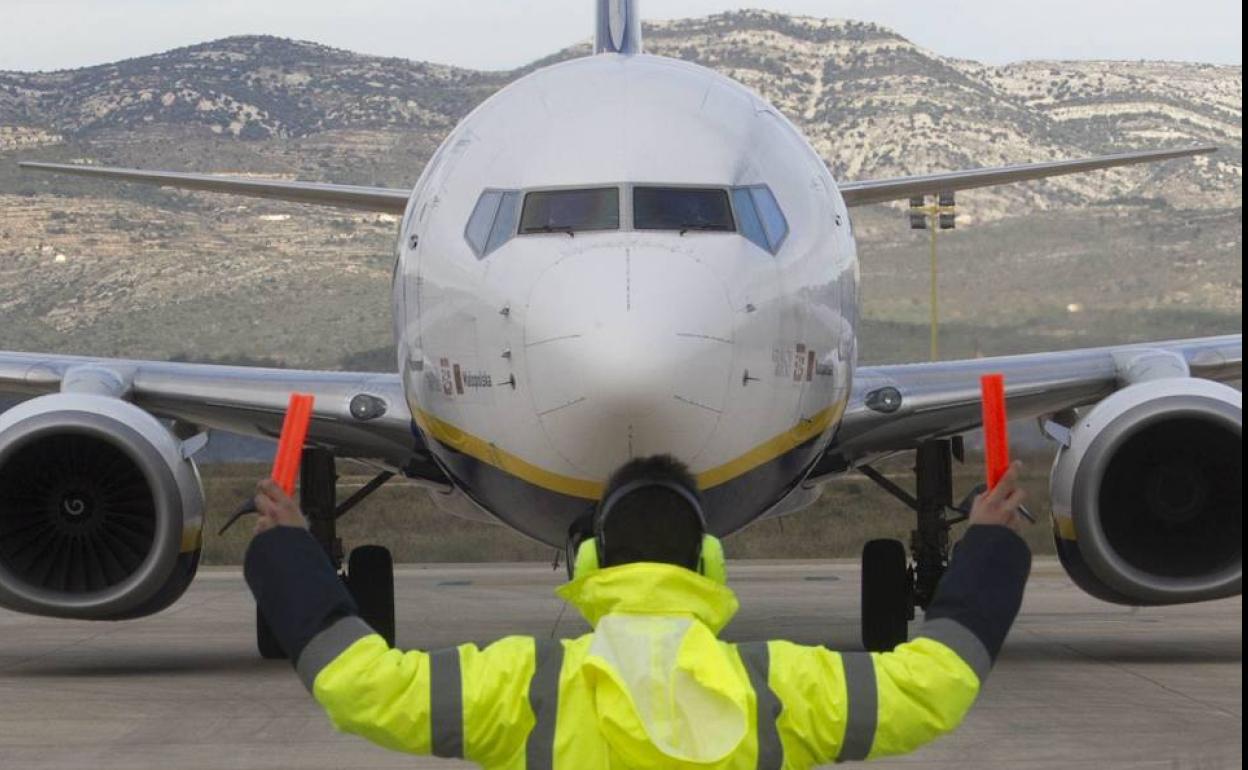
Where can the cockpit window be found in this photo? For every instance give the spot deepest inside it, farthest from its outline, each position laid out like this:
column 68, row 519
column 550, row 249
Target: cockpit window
column 505, row 221
column 493, row 221
column 752, row 210
column 682, row 208
column 760, row 217
column 478, row 230
column 560, row 211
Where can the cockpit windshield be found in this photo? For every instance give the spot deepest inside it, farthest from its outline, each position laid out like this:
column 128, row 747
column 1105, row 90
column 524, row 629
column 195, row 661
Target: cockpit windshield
column 682, row 208
column 559, row 211
column 751, row 211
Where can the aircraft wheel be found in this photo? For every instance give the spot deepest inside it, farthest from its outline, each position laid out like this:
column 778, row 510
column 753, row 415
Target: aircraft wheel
column 370, row 577
column 266, row 642
column 885, row 595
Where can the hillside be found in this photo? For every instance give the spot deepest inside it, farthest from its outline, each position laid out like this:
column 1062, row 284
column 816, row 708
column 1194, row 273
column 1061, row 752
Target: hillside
column 114, row 269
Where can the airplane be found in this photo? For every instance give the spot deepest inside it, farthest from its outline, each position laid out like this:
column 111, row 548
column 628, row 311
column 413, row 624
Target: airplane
column 616, row 256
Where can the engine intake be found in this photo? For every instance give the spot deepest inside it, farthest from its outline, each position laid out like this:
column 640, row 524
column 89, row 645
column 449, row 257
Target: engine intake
column 1147, row 496
column 100, row 514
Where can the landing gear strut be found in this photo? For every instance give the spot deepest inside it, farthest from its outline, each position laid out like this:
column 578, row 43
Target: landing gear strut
column 891, row 589
column 370, row 570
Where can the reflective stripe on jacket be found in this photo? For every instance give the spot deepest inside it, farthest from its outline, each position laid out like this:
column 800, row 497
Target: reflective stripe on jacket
column 653, row 687
column 520, row 705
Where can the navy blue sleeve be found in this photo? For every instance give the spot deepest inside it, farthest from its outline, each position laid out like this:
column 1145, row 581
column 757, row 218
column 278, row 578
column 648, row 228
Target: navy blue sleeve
column 983, row 587
column 295, row 585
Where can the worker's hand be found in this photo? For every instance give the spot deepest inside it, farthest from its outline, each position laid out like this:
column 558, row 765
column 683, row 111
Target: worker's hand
column 1000, row 505
column 276, row 508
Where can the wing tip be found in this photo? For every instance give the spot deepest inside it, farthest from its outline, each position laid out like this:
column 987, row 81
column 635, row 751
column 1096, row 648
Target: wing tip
column 1185, row 152
column 1155, row 155
column 39, row 165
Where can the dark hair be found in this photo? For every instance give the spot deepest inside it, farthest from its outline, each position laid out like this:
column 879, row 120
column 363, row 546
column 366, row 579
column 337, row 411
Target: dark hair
column 652, row 523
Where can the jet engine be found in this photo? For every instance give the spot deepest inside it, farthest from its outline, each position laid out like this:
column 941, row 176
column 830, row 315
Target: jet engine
column 1147, row 494
column 100, row 511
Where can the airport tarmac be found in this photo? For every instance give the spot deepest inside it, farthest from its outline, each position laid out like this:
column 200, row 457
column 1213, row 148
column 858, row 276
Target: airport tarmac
column 1080, row 684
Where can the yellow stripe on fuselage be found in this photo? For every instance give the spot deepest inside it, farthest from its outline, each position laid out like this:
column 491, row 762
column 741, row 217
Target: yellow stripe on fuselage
column 461, row 441
column 772, row 448
column 487, row 452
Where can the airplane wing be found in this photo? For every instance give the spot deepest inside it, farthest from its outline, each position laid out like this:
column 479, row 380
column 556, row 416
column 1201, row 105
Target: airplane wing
column 356, row 414
column 380, row 199
column 896, row 407
column 394, row 201
column 898, row 188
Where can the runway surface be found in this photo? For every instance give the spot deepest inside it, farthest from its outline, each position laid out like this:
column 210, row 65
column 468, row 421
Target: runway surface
column 1081, row 684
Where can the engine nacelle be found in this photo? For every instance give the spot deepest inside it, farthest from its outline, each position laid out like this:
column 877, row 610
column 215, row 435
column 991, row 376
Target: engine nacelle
column 100, row 514
column 1147, row 496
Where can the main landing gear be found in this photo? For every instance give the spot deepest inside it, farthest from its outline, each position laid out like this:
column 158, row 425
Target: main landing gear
column 369, row 574
column 891, row 587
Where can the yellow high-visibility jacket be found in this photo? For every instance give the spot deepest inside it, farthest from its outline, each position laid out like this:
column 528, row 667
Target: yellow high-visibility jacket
column 652, row 687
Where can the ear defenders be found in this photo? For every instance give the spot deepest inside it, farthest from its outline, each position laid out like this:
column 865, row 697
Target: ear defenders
column 711, row 562
column 587, row 545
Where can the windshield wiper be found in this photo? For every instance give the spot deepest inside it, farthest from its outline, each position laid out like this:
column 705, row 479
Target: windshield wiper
column 552, row 229
column 703, row 228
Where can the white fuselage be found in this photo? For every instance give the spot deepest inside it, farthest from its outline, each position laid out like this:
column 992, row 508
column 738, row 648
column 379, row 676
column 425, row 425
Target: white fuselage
column 535, row 371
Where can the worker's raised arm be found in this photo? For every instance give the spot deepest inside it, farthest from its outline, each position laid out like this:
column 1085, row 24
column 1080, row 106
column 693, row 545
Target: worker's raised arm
column 847, row 706
column 926, row 686
column 455, row 702
column 364, row 686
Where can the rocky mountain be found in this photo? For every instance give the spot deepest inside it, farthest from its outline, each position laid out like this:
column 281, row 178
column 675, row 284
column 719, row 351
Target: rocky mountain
column 248, row 88
column 873, row 103
column 117, row 269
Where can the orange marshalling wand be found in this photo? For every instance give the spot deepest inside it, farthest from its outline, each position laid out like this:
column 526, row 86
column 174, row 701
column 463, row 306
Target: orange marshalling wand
column 290, row 446
column 996, row 438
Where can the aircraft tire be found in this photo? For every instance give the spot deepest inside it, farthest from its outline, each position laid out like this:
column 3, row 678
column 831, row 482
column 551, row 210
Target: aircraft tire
column 885, row 595
column 370, row 578
column 266, row 642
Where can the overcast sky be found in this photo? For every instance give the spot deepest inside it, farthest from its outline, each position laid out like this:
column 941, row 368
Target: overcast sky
column 500, row 34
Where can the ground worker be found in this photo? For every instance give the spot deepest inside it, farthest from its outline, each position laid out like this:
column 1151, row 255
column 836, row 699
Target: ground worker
column 652, row 686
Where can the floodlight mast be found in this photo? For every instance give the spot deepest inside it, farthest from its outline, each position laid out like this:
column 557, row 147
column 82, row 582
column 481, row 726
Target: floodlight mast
column 939, row 215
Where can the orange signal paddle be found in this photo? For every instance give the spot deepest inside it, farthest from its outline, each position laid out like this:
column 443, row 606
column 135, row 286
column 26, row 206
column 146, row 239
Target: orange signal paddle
column 290, row 445
column 289, row 453
column 996, row 438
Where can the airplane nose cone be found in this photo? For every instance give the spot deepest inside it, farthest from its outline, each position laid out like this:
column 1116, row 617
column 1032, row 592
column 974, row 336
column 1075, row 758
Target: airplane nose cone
column 628, row 353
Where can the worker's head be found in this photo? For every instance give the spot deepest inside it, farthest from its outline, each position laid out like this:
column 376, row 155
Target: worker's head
column 650, row 511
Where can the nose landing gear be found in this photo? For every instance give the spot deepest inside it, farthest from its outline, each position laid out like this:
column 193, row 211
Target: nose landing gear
column 891, row 588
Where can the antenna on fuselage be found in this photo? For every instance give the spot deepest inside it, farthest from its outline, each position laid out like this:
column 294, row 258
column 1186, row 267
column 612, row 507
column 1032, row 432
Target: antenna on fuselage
column 618, row 27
